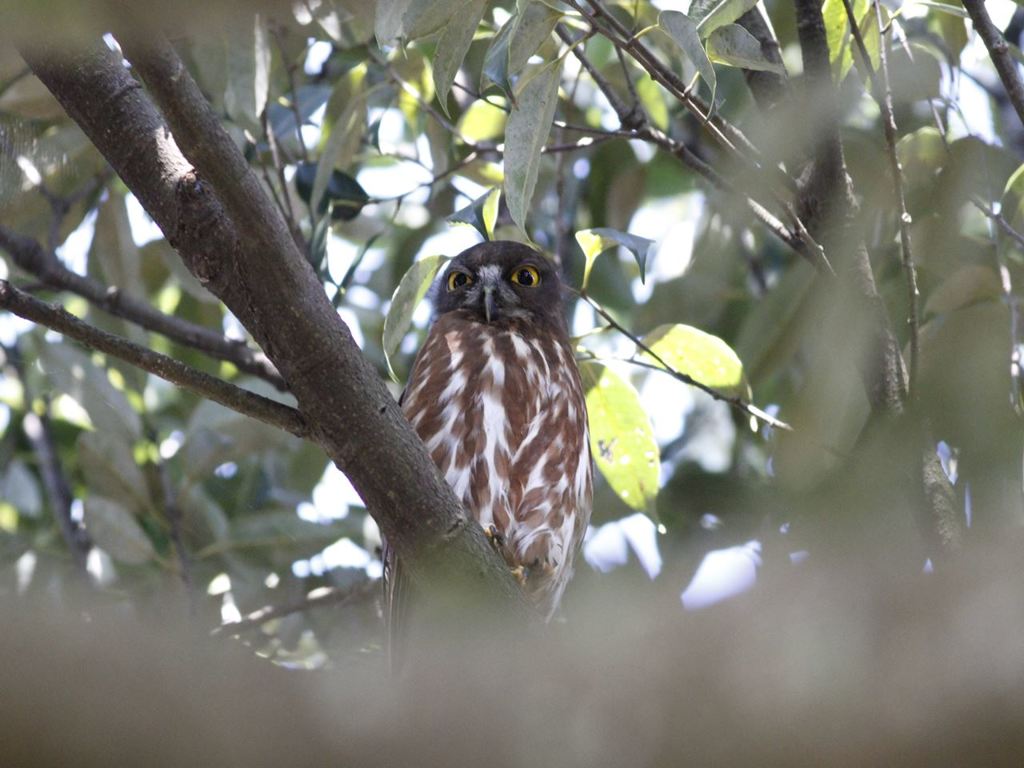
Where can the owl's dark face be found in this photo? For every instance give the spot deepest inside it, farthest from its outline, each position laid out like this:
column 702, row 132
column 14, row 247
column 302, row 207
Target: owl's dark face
column 502, row 281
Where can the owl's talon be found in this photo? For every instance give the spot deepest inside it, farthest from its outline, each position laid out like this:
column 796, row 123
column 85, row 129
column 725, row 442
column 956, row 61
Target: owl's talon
column 494, row 536
column 521, row 574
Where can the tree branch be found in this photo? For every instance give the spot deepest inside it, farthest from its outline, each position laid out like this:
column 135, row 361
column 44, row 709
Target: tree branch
column 30, row 256
column 318, row 598
column 999, row 51
column 235, row 242
column 40, row 436
column 248, row 403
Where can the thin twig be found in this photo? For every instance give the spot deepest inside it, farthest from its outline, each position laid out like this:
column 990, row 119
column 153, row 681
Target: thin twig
column 735, row 402
column 882, row 92
column 172, row 513
column 39, row 431
column 247, row 403
column 318, row 598
column 999, row 51
column 30, row 256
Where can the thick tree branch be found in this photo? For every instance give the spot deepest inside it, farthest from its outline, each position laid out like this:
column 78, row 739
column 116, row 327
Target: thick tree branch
column 832, row 214
column 248, row 403
column 235, row 242
column 768, row 88
column 30, row 256
column 999, row 50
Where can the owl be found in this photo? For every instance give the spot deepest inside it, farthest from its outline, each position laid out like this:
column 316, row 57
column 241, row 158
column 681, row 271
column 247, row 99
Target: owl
column 496, row 397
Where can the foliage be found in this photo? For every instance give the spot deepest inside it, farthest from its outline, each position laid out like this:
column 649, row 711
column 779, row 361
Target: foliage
column 392, row 135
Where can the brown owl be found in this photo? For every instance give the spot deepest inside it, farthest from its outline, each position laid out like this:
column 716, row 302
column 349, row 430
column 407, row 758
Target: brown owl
column 495, row 395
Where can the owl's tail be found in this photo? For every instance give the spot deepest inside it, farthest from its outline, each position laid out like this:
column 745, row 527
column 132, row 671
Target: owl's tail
column 396, row 607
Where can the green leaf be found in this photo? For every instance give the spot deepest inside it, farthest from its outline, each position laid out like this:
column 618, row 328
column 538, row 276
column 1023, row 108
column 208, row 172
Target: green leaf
column 701, row 356
column 683, row 31
column 410, row 292
column 343, row 194
column 481, row 214
column 20, row 489
column 532, row 25
column 72, row 371
column 344, row 131
column 594, row 242
column 495, row 69
column 842, row 47
column 387, row 23
column 453, row 46
column 952, row 10
column 712, row 14
column 525, row 134
column 621, row 437
column 287, row 531
column 423, row 18
column 109, row 469
column 733, row 45
column 115, row 530
column 248, row 74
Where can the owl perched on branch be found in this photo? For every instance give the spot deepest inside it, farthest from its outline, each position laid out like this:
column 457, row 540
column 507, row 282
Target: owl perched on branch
column 495, row 395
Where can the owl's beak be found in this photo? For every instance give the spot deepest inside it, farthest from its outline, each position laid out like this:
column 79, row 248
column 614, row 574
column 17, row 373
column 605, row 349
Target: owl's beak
column 489, row 310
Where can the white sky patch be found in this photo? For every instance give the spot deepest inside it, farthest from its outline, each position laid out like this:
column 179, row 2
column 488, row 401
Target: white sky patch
column 75, row 250
column 673, row 251
column 711, row 444
column 340, row 255
column 233, row 329
column 607, row 547
column 5, row 418
column 332, row 497
column 352, row 321
column 144, row 229
column 170, row 445
column 317, row 54
column 670, row 400
column 391, row 180
column 345, row 553
column 723, row 573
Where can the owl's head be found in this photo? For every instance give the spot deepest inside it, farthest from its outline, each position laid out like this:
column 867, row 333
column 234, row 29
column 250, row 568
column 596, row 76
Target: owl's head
column 501, row 281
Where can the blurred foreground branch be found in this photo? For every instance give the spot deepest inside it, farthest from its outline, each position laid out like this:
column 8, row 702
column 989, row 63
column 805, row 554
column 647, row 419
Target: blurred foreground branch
column 999, row 50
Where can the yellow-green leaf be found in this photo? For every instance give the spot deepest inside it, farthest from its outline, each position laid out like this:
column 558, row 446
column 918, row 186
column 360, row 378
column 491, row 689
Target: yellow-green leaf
column 703, row 357
column 594, row 242
column 621, row 437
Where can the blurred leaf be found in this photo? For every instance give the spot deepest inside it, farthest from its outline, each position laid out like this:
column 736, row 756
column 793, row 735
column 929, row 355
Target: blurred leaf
column 116, row 531
column 387, row 23
column 1012, row 210
column 482, row 121
column 343, row 194
column 109, row 469
column 594, row 242
column 317, row 253
column 946, row 8
column 344, row 133
column 621, row 437
column 915, row 79
column 922, row 155
column 733, row 45
column 652, row 98
column 969, row 285
column 480, row 214
column 72, row 371
column 453, row 46
column 19, row 487
column 525, row 135
column 286, row 532
column 699, row 355
column 683, row 31
column 248, row 74
column 712, row 14
column 410, row 292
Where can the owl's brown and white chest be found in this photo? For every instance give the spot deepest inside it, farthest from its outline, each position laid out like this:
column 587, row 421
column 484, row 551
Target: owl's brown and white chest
column 502, row 413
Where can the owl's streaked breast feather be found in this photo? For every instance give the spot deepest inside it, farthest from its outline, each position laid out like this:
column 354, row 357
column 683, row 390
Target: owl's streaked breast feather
column 500, row 411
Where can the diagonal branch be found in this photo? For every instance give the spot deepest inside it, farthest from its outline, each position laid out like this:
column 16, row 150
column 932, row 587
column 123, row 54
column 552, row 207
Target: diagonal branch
column 30, row 256
column 248, row 403
column 214, row 211
column 999, row 50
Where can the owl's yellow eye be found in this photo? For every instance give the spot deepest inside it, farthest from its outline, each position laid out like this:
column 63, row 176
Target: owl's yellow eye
column 526, row 276
column 458, row 280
